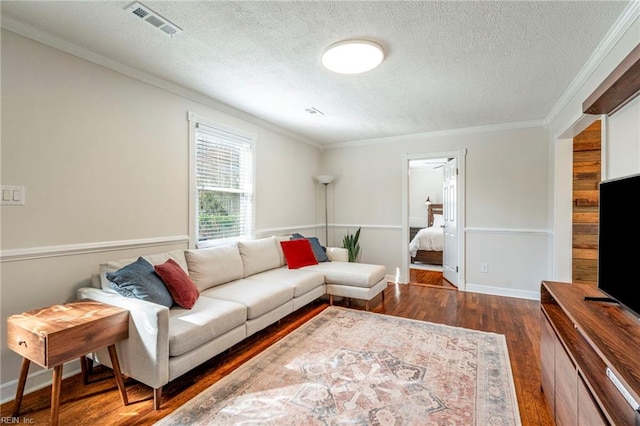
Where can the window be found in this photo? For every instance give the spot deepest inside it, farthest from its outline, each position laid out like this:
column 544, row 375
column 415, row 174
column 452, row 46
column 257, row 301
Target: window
column 222, row 189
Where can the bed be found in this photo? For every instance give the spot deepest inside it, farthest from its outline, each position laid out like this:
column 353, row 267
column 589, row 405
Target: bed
column 427, row 243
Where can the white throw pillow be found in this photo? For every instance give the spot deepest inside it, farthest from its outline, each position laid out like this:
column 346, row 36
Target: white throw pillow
column 438, row 220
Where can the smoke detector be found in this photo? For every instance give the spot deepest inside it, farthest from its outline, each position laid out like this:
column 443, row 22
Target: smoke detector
column 153, row 18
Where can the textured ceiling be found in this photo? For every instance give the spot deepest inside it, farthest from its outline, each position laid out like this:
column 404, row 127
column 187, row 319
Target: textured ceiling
column 449, row 65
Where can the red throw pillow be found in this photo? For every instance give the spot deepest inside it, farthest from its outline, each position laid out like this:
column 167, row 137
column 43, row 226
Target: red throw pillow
column 182, row 289
column 298, row 253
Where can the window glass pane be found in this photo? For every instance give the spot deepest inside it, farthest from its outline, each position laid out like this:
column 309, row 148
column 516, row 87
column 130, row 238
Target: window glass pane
column 222, row 215
column 223, row 181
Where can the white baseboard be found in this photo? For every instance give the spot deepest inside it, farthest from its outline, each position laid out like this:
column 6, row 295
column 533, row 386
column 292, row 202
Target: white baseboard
column 501, row 291
column 37, row 380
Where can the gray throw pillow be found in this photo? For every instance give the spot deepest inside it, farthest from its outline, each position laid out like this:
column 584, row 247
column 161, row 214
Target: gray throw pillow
column 139, row 280
column 318, row 251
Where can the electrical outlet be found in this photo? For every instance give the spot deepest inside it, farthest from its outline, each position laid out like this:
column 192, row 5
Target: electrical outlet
column 484, row 267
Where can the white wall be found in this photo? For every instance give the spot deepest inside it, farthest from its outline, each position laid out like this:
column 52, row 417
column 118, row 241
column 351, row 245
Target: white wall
column 562, row 211
column 423, row 182
column 104, row 160
column 506, row 202
column 622, row 154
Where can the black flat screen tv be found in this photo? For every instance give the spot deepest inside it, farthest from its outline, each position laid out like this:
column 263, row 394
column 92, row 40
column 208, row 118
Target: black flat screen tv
column 619, row 241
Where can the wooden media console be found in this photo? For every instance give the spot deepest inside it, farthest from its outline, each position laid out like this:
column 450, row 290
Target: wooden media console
column 580, row 340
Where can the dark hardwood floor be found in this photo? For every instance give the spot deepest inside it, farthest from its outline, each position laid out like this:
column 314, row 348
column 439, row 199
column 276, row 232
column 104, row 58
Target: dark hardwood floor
column 429, row 278
column 98, row 403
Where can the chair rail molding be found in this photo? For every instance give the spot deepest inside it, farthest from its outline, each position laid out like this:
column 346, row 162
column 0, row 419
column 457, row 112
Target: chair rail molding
column 12, row 255
column 520, row 231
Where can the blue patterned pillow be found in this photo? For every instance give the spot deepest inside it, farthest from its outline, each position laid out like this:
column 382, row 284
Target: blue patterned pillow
column 139, row 280
column 318, row 251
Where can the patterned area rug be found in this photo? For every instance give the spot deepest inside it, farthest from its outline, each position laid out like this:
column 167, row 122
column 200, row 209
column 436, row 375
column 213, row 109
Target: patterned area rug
column 359, row 368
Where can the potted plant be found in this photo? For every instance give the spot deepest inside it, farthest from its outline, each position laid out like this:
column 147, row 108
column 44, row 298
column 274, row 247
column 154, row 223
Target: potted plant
column 350, row 242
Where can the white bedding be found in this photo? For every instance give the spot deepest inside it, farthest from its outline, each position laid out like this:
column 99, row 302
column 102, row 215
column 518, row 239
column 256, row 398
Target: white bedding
column 431, row 238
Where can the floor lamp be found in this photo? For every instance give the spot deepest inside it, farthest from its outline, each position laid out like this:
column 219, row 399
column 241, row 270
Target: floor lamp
column 325, row 180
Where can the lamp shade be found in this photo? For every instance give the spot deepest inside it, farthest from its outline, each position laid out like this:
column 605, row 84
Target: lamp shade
column 325, row 179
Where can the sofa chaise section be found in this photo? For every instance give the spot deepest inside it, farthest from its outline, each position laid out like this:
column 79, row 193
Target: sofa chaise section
column 355, row 280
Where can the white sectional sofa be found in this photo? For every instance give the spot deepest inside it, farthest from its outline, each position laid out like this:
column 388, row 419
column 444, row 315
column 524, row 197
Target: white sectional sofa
column 243, row 288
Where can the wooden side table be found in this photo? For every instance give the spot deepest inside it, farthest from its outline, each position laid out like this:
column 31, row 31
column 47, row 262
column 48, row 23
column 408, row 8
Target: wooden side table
column 60, row 333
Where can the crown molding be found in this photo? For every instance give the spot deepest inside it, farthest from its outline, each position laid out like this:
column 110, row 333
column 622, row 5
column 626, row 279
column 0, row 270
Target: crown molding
column 441, row 133
column 15, row 26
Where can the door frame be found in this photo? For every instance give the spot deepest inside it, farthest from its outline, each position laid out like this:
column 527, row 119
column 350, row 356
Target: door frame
column 460, row 155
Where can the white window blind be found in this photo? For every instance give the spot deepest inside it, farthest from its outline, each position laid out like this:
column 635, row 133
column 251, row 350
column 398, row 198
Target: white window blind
column 224, row 168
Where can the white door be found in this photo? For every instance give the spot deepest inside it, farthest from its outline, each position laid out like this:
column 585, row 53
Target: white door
column 450, row 254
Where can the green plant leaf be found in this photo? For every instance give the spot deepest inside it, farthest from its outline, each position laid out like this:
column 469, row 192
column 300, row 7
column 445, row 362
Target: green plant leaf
column 351, row 243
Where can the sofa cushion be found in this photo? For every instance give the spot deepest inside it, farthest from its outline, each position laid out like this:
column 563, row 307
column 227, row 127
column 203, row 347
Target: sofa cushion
column 298, row 253
column 302, row 281
column 318, row 251
column 338, row 254
column 154, row 259
column 183, row 291
column 349, row 273
column 213, row 266
column 278, row 239
column 259, row 255
column 258, row 296
column 139, row 280
column 208, row 319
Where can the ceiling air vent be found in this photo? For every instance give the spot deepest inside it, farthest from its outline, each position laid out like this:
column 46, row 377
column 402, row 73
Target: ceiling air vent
column 148, row 15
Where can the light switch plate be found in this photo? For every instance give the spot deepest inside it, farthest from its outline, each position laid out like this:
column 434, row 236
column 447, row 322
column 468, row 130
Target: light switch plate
column 13, row 195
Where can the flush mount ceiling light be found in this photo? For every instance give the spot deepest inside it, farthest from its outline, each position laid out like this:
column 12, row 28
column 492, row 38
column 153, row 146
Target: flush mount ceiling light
column 352, row 56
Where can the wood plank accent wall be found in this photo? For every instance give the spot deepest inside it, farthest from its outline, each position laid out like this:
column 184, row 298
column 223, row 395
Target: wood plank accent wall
column 586, row 178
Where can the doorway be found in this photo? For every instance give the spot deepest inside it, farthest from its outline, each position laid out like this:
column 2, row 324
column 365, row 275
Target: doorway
column 420, row 201
column 426, row 205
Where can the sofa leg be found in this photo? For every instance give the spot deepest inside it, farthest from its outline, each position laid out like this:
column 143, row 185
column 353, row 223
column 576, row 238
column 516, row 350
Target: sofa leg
column 331, row 299
column 157, row 398
column 366, row 305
